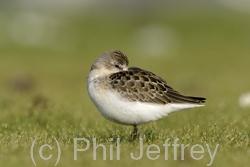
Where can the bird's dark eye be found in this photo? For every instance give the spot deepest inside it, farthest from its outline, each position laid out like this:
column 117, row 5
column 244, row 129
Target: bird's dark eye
column 117, row 66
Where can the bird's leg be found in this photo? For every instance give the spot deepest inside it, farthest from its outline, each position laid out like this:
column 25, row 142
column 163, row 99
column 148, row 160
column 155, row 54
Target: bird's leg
column 134, row 135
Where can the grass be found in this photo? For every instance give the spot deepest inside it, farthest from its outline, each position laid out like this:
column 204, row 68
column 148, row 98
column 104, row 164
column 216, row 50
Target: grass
column 43, row 92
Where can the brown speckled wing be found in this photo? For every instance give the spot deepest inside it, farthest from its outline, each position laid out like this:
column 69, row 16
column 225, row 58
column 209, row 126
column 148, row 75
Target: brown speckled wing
column 140, row 85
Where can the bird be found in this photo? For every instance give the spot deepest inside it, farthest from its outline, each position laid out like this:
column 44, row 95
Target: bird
column 130, row 95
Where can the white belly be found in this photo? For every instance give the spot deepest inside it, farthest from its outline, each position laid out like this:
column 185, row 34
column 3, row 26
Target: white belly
column 120, row 110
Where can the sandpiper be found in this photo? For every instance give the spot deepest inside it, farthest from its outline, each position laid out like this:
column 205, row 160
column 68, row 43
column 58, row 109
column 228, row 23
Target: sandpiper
column 132, row 96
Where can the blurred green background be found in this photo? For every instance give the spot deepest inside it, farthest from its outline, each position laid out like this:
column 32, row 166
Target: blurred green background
column 48, row 47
